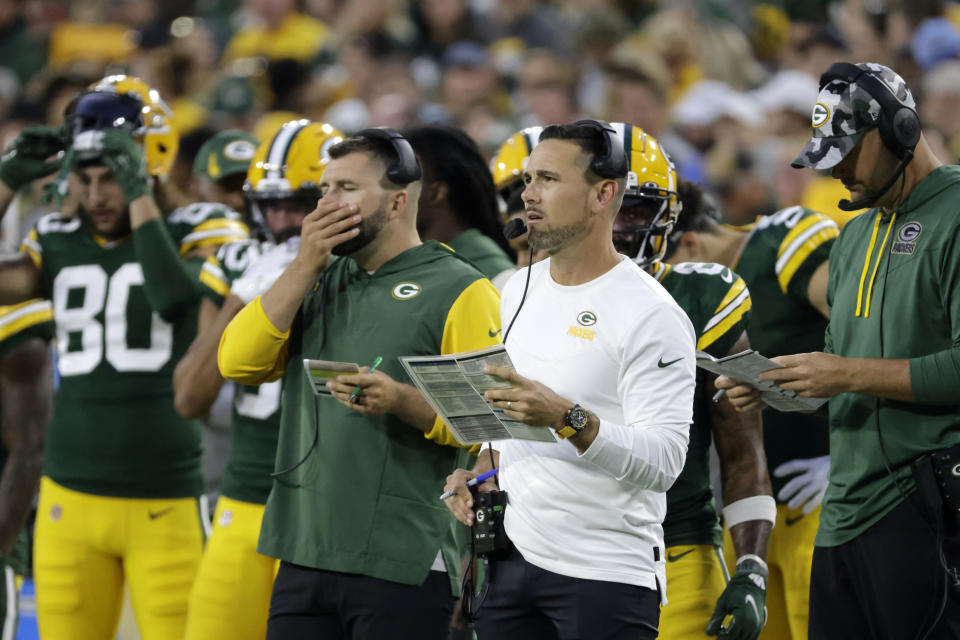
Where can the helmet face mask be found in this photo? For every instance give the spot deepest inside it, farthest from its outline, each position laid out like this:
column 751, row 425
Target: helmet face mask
column 650, row 205
column 285, row 172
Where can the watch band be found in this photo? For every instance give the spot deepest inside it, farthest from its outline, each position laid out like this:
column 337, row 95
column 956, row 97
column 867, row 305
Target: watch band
column 566, row 431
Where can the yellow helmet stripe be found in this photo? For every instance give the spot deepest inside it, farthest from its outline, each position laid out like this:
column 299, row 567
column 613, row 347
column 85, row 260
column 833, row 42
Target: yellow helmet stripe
column 280, row 147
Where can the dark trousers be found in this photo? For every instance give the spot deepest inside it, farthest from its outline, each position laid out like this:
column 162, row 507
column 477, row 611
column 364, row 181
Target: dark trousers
column 887, row 583
column 312, row 604
column 526, row 602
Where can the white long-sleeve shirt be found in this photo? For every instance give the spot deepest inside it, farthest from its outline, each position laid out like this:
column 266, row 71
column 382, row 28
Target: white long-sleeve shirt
column 622, row 348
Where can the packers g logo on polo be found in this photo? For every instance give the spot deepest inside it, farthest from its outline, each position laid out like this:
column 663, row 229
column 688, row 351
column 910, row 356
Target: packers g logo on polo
column 406, row 290
column 821, row 113
column 586, row 318
column 910, row 231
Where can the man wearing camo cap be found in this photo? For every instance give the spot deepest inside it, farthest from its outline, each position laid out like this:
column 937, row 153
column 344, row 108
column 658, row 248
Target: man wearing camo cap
column 887, row 550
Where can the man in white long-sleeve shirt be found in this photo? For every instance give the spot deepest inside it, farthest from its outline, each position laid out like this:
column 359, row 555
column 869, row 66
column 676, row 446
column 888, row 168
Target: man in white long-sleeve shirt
column 604, row 357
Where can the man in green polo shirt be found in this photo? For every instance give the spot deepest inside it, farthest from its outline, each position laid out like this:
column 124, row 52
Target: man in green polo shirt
column 886, row 556
column 367, row 549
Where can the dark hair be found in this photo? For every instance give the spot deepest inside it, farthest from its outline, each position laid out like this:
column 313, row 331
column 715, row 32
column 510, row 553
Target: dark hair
column 454, row 158
column 379, row 148
column 585, row 137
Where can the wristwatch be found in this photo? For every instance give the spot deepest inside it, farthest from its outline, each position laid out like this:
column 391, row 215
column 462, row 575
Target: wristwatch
column 574, row 422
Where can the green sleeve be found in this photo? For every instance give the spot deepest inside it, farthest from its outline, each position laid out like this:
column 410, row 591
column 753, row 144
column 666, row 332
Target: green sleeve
column 935, row 378
column 167, row 281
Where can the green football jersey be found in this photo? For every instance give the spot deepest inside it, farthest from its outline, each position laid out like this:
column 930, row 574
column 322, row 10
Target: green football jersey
column 482, row 252
column 894, row 292
column 778, row 259
column 18, row 324
column 255, row 417
column 204, row 224
column 114, row 430
column 717, row 302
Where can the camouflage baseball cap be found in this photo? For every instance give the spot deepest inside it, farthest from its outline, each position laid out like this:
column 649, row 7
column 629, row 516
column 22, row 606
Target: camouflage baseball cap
column 225, row 154
column 843, row 113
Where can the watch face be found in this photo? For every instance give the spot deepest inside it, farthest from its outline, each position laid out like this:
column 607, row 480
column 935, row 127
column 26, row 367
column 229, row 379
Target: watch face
column 578, row 418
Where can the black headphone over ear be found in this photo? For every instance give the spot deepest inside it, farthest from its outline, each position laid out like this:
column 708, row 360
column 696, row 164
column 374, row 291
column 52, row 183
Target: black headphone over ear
column 898, row 123
column 613, row 163
column 405, row 169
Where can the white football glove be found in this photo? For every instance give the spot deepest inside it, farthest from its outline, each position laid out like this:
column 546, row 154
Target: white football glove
column 260, row 276
column 808, row 486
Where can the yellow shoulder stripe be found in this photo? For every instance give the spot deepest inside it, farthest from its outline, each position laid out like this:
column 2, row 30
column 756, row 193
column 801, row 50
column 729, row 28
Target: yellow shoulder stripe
column 31, row 245
column 213, row 277
column 16, row 318
column 734, row 291
column 805, row 244
column 729, row 312
column 214, row 232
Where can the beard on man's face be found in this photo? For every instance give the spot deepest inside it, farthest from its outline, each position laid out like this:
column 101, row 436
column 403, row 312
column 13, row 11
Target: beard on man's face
column 552, row 240
column 370, row 228
column 100, row 223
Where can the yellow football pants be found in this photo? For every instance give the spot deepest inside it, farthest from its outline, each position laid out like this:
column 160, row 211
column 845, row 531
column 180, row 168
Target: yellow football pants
column 231, row 595
column 86, row 546
column 696, row 577
column 790, row 559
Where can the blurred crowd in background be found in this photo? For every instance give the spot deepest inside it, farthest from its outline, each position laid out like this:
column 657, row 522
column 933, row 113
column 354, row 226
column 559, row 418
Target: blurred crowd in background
column 726, row 85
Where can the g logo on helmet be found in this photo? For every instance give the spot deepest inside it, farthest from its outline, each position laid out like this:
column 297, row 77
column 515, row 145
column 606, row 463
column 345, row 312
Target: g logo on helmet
column 821, row 113
column 406, row 290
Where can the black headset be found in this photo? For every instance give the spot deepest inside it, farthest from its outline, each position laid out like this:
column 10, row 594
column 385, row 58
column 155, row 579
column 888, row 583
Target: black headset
column 613, row 163
column 899, row 124
column 405, row 169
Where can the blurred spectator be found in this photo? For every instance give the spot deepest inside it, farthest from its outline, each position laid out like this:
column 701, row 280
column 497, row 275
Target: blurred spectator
column 941, row 105
column 277, row 30
column 440, row 23
column 21, row 50
column 470, row 80
column 531, row 21
column 935, row 40
column 548, row 90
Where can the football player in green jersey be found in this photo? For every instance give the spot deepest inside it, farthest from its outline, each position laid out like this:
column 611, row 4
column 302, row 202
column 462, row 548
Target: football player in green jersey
column 458, row 204
column 26, row 391
column 231, row 595
column 121, row 479
column 784, row 260
column 718, row 303
column 887, row 563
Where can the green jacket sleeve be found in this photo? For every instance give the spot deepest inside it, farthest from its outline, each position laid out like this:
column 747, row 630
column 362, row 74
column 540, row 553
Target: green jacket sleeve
column 167, row 282
column 935, row 378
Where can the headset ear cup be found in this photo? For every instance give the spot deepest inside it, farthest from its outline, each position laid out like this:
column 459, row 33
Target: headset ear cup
column 906, row 128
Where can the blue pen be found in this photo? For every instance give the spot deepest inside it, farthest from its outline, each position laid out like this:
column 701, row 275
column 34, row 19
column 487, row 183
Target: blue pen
column 471, row 482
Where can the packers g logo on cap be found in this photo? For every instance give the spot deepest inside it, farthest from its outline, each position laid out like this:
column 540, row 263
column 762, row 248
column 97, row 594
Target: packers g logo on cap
column 239, row 150
column 821, row 113
column 406, row 290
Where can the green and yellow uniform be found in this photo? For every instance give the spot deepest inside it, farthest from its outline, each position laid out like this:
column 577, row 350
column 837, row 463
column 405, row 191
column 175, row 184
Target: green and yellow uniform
column 483, row 253
column 718, row 304
column 18, row 324
column 231, row 594
column 781, row 253
column 353, row 493
column 119, row 497
column 893, row 293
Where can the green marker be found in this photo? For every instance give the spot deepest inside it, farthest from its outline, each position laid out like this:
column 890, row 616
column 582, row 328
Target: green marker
column 356, row 390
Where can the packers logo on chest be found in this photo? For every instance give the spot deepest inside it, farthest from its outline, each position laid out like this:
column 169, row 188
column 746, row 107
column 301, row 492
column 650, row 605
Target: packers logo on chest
column 906, row 242
column 406, row 290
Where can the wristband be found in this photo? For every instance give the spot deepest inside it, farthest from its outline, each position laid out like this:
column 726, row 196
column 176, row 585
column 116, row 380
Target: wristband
column 754, row 563
column 752, row 508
